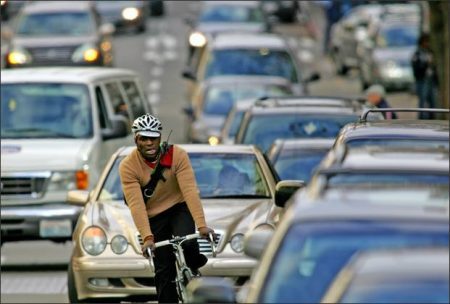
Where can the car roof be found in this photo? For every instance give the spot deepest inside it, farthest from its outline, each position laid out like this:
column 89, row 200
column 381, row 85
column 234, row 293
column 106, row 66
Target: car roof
column 304, row 143
column 62, row 74
column 55, row 6
column 227, row 40
column 326, row 209
column 391, row 159
column 205, row 148
column 403, row 262
column 310, row 109
column 327, row 101
column 238, row 79
column 397, row 129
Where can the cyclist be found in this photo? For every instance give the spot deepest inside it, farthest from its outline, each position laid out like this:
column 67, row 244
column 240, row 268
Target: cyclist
column 174, row 208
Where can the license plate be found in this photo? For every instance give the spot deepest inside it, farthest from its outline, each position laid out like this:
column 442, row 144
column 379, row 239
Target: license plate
column 55, row 228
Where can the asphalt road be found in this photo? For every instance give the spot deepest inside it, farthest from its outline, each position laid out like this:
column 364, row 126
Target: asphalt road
column 34, row 272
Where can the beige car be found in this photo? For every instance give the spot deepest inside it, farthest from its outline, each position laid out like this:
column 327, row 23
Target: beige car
column 106, row 260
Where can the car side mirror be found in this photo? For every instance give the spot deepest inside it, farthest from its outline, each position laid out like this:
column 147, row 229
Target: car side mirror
column 119, row 128
column 188, row 74
column 314, row 77
column 284, row 190
column 256, row 241
column 107, row 29
column 189, row 111
column 77, row 197
column 211, row 290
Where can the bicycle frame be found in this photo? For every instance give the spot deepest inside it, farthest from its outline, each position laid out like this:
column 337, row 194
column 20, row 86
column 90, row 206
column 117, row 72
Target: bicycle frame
column 184, row 273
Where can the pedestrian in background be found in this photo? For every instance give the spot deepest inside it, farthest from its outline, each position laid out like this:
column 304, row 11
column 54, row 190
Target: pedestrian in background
column 376, row 97
column 424, row 69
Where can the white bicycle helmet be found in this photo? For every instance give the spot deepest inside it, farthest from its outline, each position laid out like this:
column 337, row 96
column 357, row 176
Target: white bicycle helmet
column 147, row 125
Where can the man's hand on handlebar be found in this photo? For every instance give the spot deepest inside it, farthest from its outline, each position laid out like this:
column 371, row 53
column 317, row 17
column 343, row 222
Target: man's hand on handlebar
column 148, row 244
column 206, row 232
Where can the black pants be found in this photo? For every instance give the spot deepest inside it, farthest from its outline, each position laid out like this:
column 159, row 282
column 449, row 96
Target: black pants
column 176, row 221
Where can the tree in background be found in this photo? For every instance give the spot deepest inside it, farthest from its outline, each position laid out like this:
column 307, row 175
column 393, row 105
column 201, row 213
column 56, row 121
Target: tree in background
column 439, row 39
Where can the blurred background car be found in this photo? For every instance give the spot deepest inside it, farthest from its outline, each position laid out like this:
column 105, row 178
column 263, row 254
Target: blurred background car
column 10, row 8
column 237, row 188
column 233, row 121
column 124, row 15
column 385, row 57
column 296, row 159
column 216, row 96
column 285, row 11
column 224, row 16
column 157, row 7
column 296, row 117
column 262, row 54
column 393, row 276
column 60, row 33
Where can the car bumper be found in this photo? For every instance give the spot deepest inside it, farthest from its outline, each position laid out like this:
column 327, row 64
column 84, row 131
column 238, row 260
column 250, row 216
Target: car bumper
column 229, row 266
column 54, row 221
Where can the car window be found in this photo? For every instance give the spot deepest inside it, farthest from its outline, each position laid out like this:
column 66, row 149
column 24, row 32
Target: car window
column 220, row 99
column 311, row 254
column 118, row 101
column 135, row 99
column 262, row 130
column 398, row 36
column 252, row 62
column 231, row 13
column 217, row 175
column 56, row 24
column 220, row 174
column 102, row 111
column 395, row 142
column 45, row 110
column 298, row 164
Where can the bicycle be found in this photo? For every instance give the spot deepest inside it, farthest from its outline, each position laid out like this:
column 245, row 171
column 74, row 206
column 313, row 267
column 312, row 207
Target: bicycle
column 184, row 273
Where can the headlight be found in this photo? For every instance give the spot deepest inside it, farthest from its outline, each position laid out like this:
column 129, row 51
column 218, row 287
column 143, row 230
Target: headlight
column 197, row 39
column 19, row 56
column 3, row 2
column 237, row 242
column 390, row 69
column 213, row 140
column 119, row 244
column 69, row 180
column 94, row 240
column 130, row 13
column 87, row 53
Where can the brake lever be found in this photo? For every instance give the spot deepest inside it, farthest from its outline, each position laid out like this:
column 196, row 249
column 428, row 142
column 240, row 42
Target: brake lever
column 213, row 244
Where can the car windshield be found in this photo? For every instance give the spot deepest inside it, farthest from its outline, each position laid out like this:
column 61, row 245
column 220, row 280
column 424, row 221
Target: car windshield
column 231, row 13
column 56, row 24
column 298, row 164
column 220, row 99
column 401, row 143
column 386, row 178
column 415, row 290
column 311, row 254
column 262, row 130
column 217, row 175
column 398, row 36
column 45, row 110
column 252, row 62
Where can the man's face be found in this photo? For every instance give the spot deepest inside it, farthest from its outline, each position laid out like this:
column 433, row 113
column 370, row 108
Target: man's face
column 148, row 146
column 374, row 98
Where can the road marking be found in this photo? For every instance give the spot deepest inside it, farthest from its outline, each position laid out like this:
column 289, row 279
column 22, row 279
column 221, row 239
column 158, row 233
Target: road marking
column 170, row 55
column 154, row 98
column 154, row 85
column 35, row 283
column 156, row 71
column 154, row 57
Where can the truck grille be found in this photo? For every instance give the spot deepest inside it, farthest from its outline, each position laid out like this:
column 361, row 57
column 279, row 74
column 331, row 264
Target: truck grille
column 23, row 186
column 52, row 55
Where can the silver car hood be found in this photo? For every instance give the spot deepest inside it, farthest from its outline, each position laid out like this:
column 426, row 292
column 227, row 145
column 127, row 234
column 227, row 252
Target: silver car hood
column 395, row 54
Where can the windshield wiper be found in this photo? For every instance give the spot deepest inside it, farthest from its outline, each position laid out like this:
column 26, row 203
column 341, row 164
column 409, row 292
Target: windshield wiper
column 237, row 196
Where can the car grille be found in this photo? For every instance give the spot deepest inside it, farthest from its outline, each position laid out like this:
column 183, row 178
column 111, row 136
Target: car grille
column 204, row 245
column 52, row 55
column 24, row 186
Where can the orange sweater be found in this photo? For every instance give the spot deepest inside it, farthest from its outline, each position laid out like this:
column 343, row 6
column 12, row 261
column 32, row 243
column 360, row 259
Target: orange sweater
column 180, row 186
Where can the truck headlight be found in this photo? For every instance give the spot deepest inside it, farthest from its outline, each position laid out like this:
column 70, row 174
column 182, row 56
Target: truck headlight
column 119, row 244
column 197, row 39
column 130, row 13
column 87, row 53
column 237, row 242
column 19, row 56
column 93, row 240
column 69, row 180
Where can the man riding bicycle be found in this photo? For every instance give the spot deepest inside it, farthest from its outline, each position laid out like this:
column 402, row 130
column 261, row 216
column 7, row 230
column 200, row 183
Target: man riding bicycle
column 170, row 206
